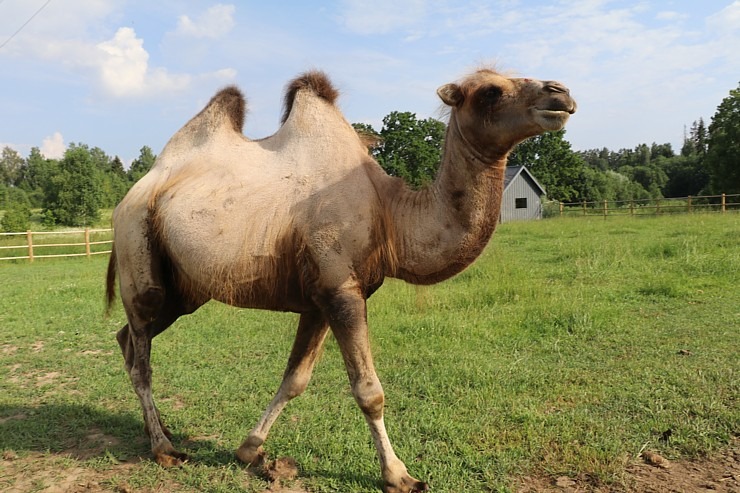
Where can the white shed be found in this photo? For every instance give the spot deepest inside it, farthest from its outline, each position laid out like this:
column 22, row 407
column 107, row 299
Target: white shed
column 522, row 195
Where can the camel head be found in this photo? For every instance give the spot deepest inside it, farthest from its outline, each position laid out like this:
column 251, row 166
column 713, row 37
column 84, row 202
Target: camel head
column 493, row 113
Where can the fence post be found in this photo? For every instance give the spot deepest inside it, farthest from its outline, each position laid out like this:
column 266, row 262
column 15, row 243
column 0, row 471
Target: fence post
column 724, row 203
column 605, row 208
column 29, row 239
column 87, row 242
column 584, row 207
column 688, row 206
column 657, row 207
column 561, row 209
column 632, row 207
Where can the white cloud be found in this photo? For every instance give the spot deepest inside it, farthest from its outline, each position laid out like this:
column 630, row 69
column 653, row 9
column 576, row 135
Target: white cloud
column 53, row 147
column 727, row 19
column 124, row 68
column 669, row 15
column 382, row 16
column 215, row 22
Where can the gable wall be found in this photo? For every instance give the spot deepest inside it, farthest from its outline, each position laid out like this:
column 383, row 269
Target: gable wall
column 521, row 187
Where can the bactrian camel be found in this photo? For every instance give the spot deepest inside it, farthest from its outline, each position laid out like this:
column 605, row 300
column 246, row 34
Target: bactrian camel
column 306, row 221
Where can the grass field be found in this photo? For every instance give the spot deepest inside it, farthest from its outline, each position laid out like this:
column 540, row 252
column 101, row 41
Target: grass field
column 570, row 346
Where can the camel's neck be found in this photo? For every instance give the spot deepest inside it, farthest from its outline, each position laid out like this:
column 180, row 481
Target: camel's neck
column 442, row 229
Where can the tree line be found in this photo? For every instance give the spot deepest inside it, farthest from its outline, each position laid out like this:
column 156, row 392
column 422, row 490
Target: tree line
column 71, row 191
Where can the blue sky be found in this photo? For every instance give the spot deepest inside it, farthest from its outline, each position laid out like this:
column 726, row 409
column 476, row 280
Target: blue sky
column 123, row 74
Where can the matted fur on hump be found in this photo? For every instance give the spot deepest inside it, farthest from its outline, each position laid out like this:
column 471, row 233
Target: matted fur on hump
column 317, row 82
column 227, row 105
column 231, row 101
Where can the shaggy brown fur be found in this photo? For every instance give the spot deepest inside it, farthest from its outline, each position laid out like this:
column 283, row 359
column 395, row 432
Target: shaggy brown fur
column 231, row 100
column 317, row 82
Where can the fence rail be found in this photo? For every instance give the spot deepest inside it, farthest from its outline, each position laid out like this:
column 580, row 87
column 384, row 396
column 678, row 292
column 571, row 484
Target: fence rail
column 54, row 241
column 605, row 208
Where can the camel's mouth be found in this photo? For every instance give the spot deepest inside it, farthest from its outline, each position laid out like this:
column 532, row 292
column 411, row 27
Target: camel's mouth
column 551, row 119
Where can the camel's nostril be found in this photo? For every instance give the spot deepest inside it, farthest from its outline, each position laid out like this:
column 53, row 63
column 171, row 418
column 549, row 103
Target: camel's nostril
column 556, row 87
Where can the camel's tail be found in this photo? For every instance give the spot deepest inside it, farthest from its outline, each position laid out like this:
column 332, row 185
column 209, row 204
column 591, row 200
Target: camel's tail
column 110, row 282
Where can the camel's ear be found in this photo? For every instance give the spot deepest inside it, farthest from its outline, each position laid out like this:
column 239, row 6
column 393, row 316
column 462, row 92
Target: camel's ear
column 450, row 94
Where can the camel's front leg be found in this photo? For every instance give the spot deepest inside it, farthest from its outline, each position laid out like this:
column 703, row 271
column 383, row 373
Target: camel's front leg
column 312, row 330
column 347, row 316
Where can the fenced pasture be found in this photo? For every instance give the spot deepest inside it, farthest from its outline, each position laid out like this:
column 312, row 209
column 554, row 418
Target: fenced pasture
column 569, row 347
column 31, row 245
column 677, row 205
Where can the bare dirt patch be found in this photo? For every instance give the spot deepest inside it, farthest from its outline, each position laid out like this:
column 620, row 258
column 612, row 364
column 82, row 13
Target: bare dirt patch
column 47, row 378
column 7, row 349
column 94, row 444
column 50, row 474
column 95, row 352
column 279, row 471
column 719, row 473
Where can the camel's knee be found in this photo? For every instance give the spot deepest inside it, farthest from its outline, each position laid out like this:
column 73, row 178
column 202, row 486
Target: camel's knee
column 370, row 397
column 295, row 384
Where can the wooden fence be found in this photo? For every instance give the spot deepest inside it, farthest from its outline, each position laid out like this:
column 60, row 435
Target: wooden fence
column 40, row 244
column 704, row 203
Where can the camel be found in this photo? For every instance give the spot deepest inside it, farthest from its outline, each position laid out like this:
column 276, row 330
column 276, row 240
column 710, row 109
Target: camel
column 306, row 221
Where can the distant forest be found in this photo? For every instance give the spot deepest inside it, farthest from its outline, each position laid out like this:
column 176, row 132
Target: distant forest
column 71, row 191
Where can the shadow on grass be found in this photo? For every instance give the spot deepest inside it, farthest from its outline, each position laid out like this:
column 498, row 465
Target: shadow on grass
column 81, row 431
column 84, row 432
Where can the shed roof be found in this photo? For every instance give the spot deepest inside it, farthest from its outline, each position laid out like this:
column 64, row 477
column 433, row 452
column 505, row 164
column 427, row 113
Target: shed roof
column 513, row 171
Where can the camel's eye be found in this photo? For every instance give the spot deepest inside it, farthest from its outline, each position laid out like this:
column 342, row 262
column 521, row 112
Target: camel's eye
column 490, row 95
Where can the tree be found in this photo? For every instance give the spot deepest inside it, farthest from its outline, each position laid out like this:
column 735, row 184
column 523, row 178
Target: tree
column 116, row 167
column 649, row 176
column 723, row 146
column 686, row 176
column 142, row 164
column 74, row 197
column 10, row 166
column 115, row 183
column 696, row 142
column 35, row 176
column 17, row 210
column 551, row 160
column 410, row 148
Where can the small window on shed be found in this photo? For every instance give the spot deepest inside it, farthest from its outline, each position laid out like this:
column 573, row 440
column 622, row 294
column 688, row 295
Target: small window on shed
column 520, row 203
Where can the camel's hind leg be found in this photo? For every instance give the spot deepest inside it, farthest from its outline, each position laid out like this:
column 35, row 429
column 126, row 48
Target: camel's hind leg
column 152, row 304
column 135, row 340
column 312, row 330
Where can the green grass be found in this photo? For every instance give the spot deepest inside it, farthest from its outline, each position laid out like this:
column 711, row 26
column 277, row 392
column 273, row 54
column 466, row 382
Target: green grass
column 557, row 353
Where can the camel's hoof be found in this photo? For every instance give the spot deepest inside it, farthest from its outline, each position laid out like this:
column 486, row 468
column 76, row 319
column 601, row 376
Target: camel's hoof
column 407, row 485
column 250, row 456
column 171, row 459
